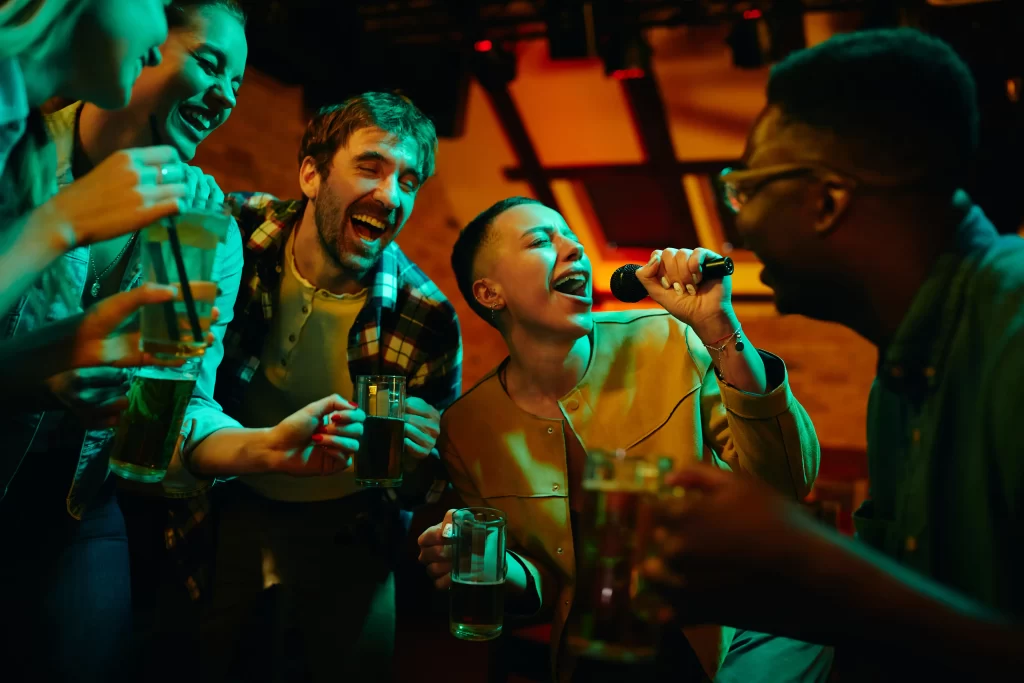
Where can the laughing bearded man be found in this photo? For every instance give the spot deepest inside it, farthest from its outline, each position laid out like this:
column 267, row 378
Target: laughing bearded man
column 327, row 296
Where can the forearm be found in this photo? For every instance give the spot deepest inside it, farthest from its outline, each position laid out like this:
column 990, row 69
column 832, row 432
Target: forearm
column 26, row 361
column 230, row 452
column 741, row 368
column 767, row 435
column 33, row 242
column 860, row 599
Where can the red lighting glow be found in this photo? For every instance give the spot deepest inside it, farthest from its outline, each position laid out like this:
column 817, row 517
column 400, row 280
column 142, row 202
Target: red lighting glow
column 752, row 14
column 483, row 46
column 626, row 74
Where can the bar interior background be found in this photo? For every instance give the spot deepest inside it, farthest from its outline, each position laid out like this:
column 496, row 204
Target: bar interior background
column 618, row 113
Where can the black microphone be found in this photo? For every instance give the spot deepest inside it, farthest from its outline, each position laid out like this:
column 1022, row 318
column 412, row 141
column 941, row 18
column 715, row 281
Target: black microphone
column 626, row 286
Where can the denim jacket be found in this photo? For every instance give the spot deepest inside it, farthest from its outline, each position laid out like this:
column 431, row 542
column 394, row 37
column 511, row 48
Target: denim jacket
column 20, row 429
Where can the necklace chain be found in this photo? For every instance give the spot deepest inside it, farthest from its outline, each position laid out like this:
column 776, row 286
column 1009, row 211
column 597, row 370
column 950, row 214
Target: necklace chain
column 95, row 290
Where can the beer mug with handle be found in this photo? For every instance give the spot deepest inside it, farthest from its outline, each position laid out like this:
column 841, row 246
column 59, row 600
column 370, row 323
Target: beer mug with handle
column 477, row 590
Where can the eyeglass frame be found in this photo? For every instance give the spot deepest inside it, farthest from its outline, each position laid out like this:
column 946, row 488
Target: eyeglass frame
column 729, row 178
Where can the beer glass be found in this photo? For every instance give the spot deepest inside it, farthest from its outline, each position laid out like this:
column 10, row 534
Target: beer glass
column 148, row 430
column 378, row 461
column 614, row 619
column 167, row 328
column 477, row 593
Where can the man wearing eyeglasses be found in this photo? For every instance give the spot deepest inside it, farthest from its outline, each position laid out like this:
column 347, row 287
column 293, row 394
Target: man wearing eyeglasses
column 851, row 196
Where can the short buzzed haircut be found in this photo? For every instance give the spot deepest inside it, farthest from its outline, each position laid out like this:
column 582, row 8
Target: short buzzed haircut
column 899, row 100
column 467, row 246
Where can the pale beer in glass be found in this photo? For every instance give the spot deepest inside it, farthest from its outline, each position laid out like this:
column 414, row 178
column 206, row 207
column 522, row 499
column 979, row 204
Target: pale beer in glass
column 167, row 328
column 477, row 593
column 148, row 431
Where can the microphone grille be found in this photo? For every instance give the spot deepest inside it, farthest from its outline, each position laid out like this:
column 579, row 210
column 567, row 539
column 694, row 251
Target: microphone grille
column 625, row 284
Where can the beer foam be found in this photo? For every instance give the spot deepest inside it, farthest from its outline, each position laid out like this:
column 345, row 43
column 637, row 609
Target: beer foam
column 478, row 583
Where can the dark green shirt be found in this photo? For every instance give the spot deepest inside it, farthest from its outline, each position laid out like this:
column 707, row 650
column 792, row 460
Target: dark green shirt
column 946, row 424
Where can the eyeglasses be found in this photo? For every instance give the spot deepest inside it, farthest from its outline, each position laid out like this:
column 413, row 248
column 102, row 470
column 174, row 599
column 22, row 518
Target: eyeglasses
column 738, row 186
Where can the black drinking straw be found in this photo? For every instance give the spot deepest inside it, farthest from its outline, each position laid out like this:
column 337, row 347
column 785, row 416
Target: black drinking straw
column 156, row 255
column 172, row 235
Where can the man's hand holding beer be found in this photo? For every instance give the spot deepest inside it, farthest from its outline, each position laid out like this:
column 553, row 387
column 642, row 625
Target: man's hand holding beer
column 719, row 545
column 422, row 427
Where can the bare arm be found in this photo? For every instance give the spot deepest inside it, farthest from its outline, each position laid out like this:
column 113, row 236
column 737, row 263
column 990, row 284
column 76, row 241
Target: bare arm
column 755, row 561
column 743, row 369
column 872, row 607
column 231, row 452
column 318, row 439
column 129, row 190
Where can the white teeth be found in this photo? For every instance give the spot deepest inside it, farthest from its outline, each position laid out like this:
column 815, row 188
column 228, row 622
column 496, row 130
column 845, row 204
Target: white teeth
column 198, row 120
column 572, row 276
column 369, row 220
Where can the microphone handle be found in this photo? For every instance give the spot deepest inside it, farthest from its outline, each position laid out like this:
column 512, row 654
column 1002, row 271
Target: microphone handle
column 716, row 269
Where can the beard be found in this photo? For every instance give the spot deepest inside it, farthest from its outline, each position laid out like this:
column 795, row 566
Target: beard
column 329, row 217
column 341, row 244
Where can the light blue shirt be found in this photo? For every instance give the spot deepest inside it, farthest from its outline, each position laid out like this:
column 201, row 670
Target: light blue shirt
column 13, row 108
column 20, row 430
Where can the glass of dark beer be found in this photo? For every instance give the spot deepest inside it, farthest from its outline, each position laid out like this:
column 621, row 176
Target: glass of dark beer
column 378, row 462
column 148, row 431
column 477, row 593
column 615, row 619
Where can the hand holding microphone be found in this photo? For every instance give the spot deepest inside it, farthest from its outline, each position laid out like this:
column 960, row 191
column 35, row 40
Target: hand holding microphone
column 692, row 285
column 627, row 287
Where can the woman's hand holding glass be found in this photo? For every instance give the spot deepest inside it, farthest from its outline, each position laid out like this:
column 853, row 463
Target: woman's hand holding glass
column 202, row 192
column 436, row 551
column 99, row 339
column 316, row 440
column 127, row 191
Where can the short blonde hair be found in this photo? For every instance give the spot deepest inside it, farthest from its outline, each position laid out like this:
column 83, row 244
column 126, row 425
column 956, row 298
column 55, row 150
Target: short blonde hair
column 23, row 23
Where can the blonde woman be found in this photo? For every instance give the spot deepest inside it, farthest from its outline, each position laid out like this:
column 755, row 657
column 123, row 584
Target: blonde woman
column 66, row 570
column 42, row 44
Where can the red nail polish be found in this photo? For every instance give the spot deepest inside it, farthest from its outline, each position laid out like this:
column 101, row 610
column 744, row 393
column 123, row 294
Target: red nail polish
column 317, row 438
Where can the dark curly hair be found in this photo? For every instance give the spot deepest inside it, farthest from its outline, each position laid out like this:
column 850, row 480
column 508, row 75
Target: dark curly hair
column 898, row 99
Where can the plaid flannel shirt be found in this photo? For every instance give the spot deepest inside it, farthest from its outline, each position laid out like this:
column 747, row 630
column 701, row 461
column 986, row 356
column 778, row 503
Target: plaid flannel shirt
column 407, row 327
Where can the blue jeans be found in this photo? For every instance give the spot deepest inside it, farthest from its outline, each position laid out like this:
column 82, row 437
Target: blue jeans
column 66, row 591
column 762, row 658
